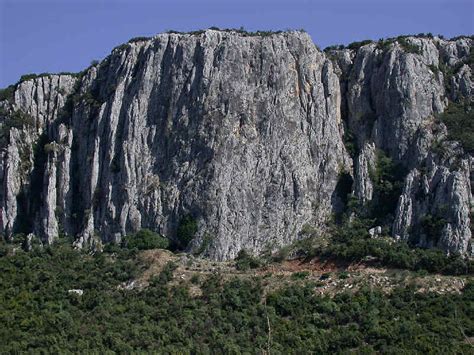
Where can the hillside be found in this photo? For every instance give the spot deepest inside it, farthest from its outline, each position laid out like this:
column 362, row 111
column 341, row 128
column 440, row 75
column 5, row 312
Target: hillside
column 57, row 299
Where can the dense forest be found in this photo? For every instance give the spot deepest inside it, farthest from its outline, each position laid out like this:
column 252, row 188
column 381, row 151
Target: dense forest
column 42, row 310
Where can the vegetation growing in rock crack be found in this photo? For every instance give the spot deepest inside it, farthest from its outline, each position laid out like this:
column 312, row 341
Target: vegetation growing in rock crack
column 459, row 120
column 186, row 231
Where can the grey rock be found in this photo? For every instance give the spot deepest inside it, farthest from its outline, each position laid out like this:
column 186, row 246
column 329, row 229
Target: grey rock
column 244, row 133
column 365, row 162
column 393, row 98
column 375, row 231
column 436, row 195
column 76, row 291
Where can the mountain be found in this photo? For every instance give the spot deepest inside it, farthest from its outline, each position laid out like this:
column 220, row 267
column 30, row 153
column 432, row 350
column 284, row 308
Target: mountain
column 232, row 140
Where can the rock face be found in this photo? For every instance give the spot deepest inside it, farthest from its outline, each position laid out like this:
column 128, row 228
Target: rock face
column 243, row 133
column 393, row 92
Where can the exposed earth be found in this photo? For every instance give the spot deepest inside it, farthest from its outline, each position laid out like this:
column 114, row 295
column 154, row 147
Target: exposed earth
column 329, row 277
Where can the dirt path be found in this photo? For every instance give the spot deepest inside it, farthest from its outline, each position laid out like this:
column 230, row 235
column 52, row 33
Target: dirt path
column 328, row 276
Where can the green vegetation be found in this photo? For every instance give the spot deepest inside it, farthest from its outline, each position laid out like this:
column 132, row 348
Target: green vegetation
column 145, row 239
column 350, row 142
column 356, row 45
column 205, row 244
column 432, row 226
column 91, row 98
column 7, row 93
column 408, row 46
column 244, row 261
column 32, row 76
column 344, row 189
column 385, row 44
column 240, row 30
column 39, row 313
column 139, row 39
column 387, row 178
column 19, row 119
column 300, row 275
column 459, row 119
column 352, row 242
column 187, row 229
column 459, row 37
column 334, row 47
column 16, row 119
column 434, row 69
column 450, row 70
column 424, row 35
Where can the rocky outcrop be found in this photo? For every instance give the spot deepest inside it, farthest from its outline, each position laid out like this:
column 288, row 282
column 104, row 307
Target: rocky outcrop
column 243, row 133
column 27, row 117
column 394, row 91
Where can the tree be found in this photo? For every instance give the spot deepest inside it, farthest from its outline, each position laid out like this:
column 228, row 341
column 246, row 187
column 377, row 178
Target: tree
column 146, row 239
column 187, row 229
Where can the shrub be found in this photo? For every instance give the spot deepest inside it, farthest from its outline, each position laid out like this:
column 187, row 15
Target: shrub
column 344, row 189
column 50, row 147
column 7, row 93
column 300, row 275
column 17, row 119
column 28, row 77
column 343, row 275
column 325, row 276
column 408, row 46
column 205, row 244
column 115, row 164
column 432, row 226
column 146, row 239
column 434, row 69
column 187, row 229
column 350, row 142
column 245, row 261
column 121, row 47
column 195, row 279
column 139, row 39
column 351, row 242
column 384, row 44
column 459, row 120
column 387, row 178
column 356, row 45
column 281, row 255
column 232, row 316
column 334, row 47
column 165, row 276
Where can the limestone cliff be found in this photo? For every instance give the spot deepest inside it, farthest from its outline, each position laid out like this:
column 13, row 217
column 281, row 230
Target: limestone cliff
column 245, row 133
column 393, row 91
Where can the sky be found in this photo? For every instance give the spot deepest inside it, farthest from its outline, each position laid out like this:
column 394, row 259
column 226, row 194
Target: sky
column 66, row 35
